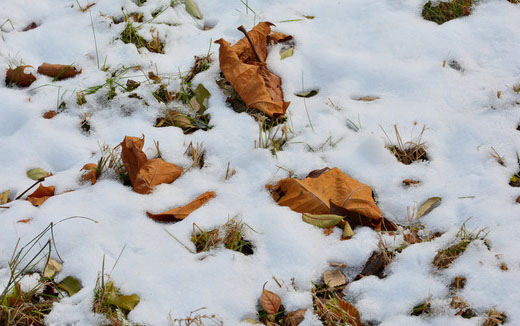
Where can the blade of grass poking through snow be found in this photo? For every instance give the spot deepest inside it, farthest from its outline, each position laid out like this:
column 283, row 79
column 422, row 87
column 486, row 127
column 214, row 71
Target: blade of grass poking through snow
column 305, row 104
column 180, row 242
column 95, row 40
column 117, row 260
column 246, row 3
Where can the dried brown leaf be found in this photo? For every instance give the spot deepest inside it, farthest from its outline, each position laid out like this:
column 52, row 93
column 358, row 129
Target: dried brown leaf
column 258, row 87
column 270, row 301
column 334, row 278
column 330, row 191
column 19, row 77
column 50, row 114
column 180, row 213
column 145, row 174
column 58, row 71
column 294, row 318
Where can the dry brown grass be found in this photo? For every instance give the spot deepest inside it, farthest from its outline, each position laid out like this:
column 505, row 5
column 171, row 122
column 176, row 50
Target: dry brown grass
column 196, row 319
column 445, row 257
column 231, row 235
column 495, row 318
column 197, row 153
column 410, row 151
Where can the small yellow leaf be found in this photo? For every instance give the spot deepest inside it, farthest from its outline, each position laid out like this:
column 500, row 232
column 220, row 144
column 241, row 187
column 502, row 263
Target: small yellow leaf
column 37, row 174
column 192, row 9
column 71, row 285
column 51, row 268
column 4, row 198
column 428, row 206
column 347, row 231
column 287, row 53
column 323, row 221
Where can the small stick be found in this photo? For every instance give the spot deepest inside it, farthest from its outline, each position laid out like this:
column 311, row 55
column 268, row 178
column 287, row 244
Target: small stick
column 243, row 30
column 4, row 207
column 26, row 190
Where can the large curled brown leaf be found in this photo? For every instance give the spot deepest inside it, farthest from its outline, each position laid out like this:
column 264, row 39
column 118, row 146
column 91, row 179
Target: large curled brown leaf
column 40, row 195
column 180, row 213
column 258, row 87
column 330, row 191
column 58, row 71
column 18, row 76
column 145, row 174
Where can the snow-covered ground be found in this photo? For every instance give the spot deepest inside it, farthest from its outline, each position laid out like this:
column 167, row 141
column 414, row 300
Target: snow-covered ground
column 350, row 49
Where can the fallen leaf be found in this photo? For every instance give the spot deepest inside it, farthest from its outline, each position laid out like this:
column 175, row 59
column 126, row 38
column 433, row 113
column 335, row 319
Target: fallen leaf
column 37, row 173
column 258, row 87
column 287, row 53
column 4, row 198
column 270, row 301
column 375, row 265
column 145, row 174
column 323, row 221
column 202, row 96
column 25, row 220
column 19, row 77
column 58, row 71
column 51, row 268
column 334, row 278
column 50, row 114
column 347, row 232
column 307, row 94
column 32, row 25
column 428, row 206
column 294, row 318
column 349, row 312
column 180, row 213
column 192, row 9
column 71, row 285
column 330, row 191
column 368, row 98
column 40, row 195
column 126, row 302
column 91, row 172
column 409, row 182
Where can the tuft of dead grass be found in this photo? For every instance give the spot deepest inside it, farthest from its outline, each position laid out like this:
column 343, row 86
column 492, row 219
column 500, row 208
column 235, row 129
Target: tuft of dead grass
column 442, row 12
column 197, row 153
column 196, row 319
column 495, row 318
column 231, row 235
column 410, row 151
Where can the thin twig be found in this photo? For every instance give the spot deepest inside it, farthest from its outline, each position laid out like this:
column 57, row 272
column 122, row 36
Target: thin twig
column 26, row 190
column 243, row 30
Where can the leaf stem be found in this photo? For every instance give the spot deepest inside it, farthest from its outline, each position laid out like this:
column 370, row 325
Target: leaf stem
column 243, row 30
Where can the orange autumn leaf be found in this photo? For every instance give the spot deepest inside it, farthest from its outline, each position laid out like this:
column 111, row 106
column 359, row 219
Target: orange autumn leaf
column 258, row 87
column 270, row 301
column 330, row 191
column 91, row 172
column 40, row 195
column 25, row 220
column 19, row 77
column 180, row 213
column 50, row 114
column 145, row 174
column 58, row 71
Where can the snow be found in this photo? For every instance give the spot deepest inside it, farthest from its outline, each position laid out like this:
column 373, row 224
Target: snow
column 350, row 49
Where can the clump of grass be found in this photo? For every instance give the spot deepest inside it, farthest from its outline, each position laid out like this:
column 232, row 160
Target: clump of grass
column 110, row 159
column 271, row 137
column 130, row 35
column 202, row 63
column 109, row 301
column 188, row 122
column 461, row 307
column 231, row 235
column 423, row 308
column 410, row 151
column 197, row 153
column 112, row 83
column 495, row 318
column 332, row 310
column 445, row 257
column 196, row 320
column 442, row 12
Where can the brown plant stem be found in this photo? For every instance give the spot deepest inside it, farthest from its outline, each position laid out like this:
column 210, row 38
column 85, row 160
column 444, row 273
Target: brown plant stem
column 26, row 190
column 243, row 30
